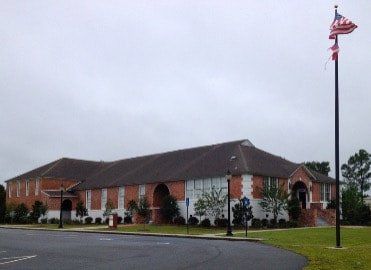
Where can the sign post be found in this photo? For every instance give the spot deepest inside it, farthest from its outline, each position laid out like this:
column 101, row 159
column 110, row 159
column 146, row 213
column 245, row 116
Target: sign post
column 246, row 203
column 187, row 204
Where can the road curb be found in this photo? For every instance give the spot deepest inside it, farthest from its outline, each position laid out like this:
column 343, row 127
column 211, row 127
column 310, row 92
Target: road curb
column 140, row 234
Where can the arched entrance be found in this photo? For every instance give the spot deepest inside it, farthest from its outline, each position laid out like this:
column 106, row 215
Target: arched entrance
column 301, row 192
column 66, row 210
column 160, row 192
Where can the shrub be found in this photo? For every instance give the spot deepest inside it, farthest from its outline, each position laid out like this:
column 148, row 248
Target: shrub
column 331, row 205
column 256, row 223
column 282, row 223
column 106, row 220
column 119, row 220
column 44, row 221
column 264, row 223
column 98, row 220
column 293, row 207
column 193, row 221
column 221, row 222
column 67, row 221
column 54, row 220
column 38, row 209
column 292, row 224
column 81, row 211
column 240, row 212
column 88, row 220
column 272, row 223
column 128, row 220
column 21, row 214
column 169, row 208
column 205, row 223
column 76, row 221
column 179, row 220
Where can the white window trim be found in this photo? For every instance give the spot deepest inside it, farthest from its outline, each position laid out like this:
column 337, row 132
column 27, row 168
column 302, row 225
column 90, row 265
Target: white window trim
column 37, row 186
column 142, row 188
column 18, row 188
column 121, row 198
column 27, row 183
column 103, row 204
column 88, row 199
column 9, row 190
column 323, row 192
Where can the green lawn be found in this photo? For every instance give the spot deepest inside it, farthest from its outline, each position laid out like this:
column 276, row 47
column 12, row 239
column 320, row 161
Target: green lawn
column 169, row 229
column 314, row 243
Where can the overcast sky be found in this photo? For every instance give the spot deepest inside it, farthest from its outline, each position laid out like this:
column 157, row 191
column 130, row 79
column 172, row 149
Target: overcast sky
column 106, row 80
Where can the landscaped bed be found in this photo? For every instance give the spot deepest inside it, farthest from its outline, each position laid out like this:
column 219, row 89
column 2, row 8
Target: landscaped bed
column 316, row 244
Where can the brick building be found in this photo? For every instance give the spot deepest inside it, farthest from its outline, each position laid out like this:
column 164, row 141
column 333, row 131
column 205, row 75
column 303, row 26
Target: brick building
column 182, row 173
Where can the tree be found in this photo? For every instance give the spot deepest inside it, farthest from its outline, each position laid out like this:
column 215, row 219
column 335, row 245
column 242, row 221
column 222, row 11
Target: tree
column 321, row 167
column 21, row 213
column 81, row 210
column 38, row 209
column 357, row 171
column 354, row 210
column 215, row 202
column 109, row 209
column 293, row 207
column 169, row 208
column 240, row 212
column 200, row 207
column 143, row 210
column 274, row 200
column 2, row 204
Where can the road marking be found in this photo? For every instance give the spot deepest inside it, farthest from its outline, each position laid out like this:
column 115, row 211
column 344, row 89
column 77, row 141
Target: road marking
column 3, row 251
column 163, row 243
column 105, row 239
column 16, row 259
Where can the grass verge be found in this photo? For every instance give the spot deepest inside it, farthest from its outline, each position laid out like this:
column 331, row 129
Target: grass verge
column 314, row 243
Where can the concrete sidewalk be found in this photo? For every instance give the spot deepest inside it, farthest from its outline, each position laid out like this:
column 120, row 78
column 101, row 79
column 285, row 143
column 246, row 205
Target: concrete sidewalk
column 114, row 232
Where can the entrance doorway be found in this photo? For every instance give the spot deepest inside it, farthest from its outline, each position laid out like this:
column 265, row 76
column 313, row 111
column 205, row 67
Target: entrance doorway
column 66, row 210
column 301, row 192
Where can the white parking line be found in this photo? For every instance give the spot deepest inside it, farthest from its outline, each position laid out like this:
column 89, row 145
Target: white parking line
column 105, row 239
column 16, row 259
column 2, row 251
column 163, row 243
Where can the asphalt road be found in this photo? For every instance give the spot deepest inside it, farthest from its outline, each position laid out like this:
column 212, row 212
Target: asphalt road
column 27, row 249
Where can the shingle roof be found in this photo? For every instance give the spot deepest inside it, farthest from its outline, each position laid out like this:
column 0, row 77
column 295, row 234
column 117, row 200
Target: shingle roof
column 240, row 157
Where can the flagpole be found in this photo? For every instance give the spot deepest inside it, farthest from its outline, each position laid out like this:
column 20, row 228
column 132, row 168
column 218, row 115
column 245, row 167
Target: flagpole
column 338, row 245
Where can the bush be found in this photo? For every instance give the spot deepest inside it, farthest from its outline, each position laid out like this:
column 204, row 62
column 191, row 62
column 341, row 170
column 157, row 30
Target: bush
column 221, row 222
column 169, row 208
column 294, row 208
column 21, row 214
column 272, row 223
column 256, row 223
column 292, row 224
column 119, row 220
column 54, row 220
column 205, row 223
column 76, row 222
column 128, row 220
column 38, row 209
column 193, row 221
column 88, row 220
column 264, row 223
column 179, row 220
column 98, row 220
column 331, row 205
column 44, row 221
column 106, row 220
column 282, row 223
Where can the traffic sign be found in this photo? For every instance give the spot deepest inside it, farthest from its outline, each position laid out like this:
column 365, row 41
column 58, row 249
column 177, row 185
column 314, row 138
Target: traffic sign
column 245, row 201
column 187, row 202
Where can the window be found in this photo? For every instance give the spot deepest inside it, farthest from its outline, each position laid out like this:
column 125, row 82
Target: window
column 88, row 199
column 10, row 190
column 142, row 191
column 198, row 189
column 18, row 188
column 207, row 185
column 270, row 182
column 27, row 187
column 189, row 188
column 215, row 183
column 121, row 198
column 37, row 186
column 325, row 192
column 103, row 200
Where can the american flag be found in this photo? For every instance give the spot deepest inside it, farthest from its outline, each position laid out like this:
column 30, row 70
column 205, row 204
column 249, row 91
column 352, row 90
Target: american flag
column 340, row 26
column 335, row 51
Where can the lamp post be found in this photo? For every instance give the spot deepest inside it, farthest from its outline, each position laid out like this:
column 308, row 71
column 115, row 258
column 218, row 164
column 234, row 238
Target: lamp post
column 60, row 212
column 229, row 228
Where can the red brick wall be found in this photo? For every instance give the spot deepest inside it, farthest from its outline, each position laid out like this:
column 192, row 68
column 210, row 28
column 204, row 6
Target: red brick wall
column 27, row 200
column 316, row 192
column 257, row 185
column 131, row 193
column 96, row 199
column 300, row 175
column 52, row 184
column 112, row 196
column 236, row 187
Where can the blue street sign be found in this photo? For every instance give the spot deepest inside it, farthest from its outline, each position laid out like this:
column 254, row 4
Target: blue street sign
column 187, row 202
column 245, row 201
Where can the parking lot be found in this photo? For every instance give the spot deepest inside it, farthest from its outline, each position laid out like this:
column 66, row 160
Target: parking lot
column 30, row 249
